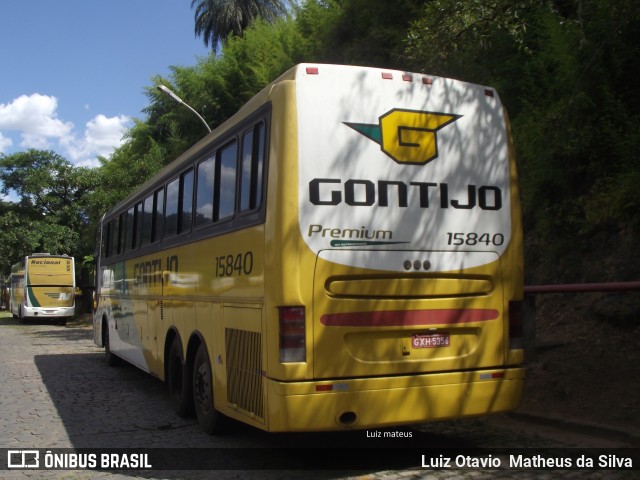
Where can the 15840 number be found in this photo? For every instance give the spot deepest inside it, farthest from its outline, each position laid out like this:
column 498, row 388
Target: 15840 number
column 473, row 238
column 234, row 264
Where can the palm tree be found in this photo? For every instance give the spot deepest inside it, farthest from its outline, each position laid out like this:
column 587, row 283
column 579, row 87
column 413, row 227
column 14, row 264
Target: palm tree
column 216, row 20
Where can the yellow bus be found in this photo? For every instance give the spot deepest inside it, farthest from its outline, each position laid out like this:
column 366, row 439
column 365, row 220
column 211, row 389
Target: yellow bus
column 43, row 286
column 345, row 252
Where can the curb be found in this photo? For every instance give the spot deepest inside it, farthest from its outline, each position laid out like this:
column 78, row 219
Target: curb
column 587, row 427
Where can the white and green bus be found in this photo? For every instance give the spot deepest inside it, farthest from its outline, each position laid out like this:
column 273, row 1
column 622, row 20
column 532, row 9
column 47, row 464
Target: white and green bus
column 43, row 287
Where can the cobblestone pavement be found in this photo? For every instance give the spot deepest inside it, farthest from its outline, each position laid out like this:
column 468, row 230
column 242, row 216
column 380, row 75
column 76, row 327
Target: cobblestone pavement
column 56, row 392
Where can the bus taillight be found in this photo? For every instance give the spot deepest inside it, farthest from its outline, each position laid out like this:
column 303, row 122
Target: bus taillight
column 292, row 334
column 516, row 329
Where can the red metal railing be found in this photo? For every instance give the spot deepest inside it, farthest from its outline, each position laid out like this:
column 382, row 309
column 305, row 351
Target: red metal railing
column 582, row 287
column 531, row 291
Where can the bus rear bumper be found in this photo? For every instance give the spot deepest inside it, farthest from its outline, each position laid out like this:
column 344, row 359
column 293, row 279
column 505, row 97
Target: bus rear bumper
column 391, row 401
column 46, row 312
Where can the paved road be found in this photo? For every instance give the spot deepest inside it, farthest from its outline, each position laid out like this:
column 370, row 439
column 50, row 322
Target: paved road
column 56, row 392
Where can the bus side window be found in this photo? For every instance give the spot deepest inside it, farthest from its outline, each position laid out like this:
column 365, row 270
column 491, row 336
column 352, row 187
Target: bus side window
column 226, row 179
column 106, row 241
column 118, row 233
column 158, row 217
column 114, row 239
column 204, row 191
column 137, row 221
column 186, row 201
column 129, row 229
column 171, row 208
column 252, row 168
column 146, row 221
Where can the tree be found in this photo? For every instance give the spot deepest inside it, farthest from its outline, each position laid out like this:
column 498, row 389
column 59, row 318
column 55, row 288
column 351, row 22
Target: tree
column 359, row 32
column 51, row 211
column 564, row 70
column 217, row 20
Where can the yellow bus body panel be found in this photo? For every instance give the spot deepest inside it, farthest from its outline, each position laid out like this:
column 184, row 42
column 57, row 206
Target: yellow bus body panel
column 380, row 402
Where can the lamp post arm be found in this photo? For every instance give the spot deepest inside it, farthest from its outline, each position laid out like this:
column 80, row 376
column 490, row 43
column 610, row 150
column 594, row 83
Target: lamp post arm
column 176, row 98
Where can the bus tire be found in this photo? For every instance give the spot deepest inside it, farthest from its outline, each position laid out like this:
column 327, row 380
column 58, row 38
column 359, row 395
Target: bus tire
column 179, row 381
column 211, row 421
column 112, row 360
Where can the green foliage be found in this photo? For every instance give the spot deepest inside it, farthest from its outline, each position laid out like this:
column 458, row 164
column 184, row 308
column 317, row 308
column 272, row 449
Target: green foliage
column 21, row 235
column 216, row 87
column 565, row 69
column 356, row 32
column 128, row 167
column 51, row 214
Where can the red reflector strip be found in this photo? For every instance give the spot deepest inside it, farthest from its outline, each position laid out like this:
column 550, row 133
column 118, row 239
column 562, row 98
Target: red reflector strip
column 400, row 318
column 387, row 76
column 407, row 78
column 312, row 71
column 490, row 376
column 332, row 387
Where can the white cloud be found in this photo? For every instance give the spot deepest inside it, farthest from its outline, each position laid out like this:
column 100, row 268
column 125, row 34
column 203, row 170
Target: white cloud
column 101, row 136
column 104, row 133
column 31, row 140
column 4, row 143
column 35, row 118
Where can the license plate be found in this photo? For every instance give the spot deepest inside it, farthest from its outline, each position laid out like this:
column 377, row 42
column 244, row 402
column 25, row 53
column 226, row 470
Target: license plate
column 433, row 340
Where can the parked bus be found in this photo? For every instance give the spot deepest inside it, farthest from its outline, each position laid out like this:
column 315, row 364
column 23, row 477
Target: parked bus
column 43, row 286
column 344, row 252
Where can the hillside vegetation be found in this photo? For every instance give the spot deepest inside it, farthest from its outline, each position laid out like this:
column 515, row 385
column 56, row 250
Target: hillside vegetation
column 566, row 70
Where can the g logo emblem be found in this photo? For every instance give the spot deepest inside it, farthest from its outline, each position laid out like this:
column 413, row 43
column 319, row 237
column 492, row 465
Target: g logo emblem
column 407, row 136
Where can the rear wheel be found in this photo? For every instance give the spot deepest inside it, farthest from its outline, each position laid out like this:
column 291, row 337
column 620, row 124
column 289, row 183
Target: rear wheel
column 179, row 381
column 112, row 360
column 211, row 421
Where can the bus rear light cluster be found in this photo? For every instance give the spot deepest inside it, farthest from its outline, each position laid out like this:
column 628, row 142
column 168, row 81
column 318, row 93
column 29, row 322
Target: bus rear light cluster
column 407, row 77
column 292, row 334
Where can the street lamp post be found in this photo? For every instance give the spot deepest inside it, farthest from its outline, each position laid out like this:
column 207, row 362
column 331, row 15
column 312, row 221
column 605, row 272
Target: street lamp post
column 175, row 97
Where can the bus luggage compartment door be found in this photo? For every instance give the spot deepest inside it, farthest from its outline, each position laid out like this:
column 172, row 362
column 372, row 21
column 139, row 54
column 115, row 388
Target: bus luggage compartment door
column 439, row 311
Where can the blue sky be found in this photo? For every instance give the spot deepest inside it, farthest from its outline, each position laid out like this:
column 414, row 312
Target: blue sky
column 73, row 72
